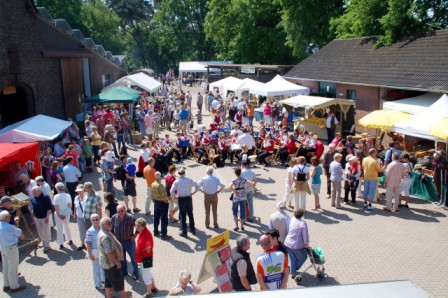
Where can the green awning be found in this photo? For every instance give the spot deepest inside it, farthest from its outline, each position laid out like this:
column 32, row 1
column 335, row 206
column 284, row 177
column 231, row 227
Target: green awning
column 120, row 94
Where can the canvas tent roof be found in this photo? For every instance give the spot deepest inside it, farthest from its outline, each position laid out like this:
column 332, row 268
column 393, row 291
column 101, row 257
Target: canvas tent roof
column 221, row 84
column 199, row 66
column 412, row 105
column 419, row 124
column 139, row 79
column 37, row 128
column 246, row 84
column 279, row 86
column 316, row 102
column 121, row 94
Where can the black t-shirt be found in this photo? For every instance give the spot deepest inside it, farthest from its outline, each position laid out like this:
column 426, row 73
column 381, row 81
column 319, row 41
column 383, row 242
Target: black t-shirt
column 112, row 208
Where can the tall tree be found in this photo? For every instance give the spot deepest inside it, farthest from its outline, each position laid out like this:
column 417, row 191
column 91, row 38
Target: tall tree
column 70, row 10
column 250, row 37
column 391, row 19
column 307, row 23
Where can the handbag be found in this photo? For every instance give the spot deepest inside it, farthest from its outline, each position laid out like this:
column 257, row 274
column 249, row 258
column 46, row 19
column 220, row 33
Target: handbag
column 231, row 197
column 147, row 262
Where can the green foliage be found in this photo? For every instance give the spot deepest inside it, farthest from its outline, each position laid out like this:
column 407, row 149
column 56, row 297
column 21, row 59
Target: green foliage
column 391, row 19
column 307, row 23
column 247, row 31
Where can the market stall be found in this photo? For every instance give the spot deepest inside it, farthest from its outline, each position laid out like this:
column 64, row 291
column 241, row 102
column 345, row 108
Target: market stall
column 221, row 86
column 246, row 85
column 309, row 104
column 278, row 86
column 27, row 154
column 34, row 129
column 119, row 94
column 140, row 80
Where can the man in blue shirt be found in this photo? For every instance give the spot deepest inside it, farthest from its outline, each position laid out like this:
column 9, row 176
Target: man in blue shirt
column 6, row 204
column 41, row 210
column 129, row 186
column 9, row 236
column 183, row 118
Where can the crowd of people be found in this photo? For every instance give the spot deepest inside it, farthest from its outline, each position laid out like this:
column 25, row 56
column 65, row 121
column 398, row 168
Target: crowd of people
column 230, row 139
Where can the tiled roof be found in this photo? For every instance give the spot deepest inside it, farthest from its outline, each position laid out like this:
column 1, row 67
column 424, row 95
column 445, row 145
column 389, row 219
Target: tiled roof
column 417, row 63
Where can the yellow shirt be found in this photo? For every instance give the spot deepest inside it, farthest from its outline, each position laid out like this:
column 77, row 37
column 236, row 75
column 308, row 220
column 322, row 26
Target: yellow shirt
column 371, row 167
column 158, row 192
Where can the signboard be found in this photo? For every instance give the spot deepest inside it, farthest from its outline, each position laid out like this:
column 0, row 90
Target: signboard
column 218, row 241
column 249, row 70
column 217, row 262
column 9, row 90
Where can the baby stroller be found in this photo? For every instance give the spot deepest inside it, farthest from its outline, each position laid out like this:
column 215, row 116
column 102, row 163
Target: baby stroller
column 317, row 258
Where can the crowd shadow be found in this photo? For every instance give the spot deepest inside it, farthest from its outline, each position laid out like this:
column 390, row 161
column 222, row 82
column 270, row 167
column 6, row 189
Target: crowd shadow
column 265, row 197
column 264, row 180
column 309, row 280
column 31, row 290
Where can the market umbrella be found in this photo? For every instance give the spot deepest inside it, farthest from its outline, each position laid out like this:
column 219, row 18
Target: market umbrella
column 383, row 119
column 439, row 129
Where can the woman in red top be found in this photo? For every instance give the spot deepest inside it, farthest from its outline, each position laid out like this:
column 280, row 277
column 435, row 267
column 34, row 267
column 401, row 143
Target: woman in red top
column 268, row 145
column 144, row 249
column 290, row 148
column 198, row 148
column 169, row 180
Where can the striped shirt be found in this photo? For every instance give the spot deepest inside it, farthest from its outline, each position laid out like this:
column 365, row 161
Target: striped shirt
column 123, row 228
column 92, row 237
column 210, row 184
column 183, row 186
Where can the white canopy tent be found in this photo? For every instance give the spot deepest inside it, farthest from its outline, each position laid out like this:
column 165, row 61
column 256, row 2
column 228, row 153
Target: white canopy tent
column 419, row 124
column 412, row 105
column 34, row 129
column 246, row 84
column 199, row 66
column 222, row 84
column 316, row 102
column 278, row 86
column 139, row 79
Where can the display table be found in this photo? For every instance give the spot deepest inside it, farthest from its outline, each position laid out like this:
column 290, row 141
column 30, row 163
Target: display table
column 425, row 191
column 318, row 130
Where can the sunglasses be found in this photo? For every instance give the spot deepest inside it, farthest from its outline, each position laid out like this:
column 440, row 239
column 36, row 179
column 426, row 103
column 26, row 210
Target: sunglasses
column 96, row 219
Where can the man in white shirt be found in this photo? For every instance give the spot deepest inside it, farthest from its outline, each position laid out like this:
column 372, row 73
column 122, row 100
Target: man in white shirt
column 211, row 185
column 215, row 104
column 280, row 220
column 246, row 139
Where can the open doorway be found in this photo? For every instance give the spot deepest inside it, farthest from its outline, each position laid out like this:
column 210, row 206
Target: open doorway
column 14, row 106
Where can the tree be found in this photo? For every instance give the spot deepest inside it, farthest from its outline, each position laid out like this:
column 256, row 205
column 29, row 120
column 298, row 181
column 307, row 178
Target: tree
column 391, row 20
column 250, row 37
column 307, row 23
column 103, row 26
column 70, row 10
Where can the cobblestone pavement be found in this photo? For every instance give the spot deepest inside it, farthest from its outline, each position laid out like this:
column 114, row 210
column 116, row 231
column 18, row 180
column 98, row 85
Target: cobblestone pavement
column 361, row 246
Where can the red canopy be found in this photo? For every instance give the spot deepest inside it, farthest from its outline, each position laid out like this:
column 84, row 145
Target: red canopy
column 26, row 153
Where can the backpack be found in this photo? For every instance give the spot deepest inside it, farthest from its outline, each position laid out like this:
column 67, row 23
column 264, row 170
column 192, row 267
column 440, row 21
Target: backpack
column 301, row 176
column 120, row 173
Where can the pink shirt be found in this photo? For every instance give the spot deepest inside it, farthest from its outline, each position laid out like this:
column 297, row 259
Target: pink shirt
column 149, row 121
column 394, row 173
column 267, row 110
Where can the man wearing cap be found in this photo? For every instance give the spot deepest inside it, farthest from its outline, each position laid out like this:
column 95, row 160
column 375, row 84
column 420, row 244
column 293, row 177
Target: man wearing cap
column 9, row 236
column 211, row 185
column 182, row 188
column 41, row 206
column 280, row 220
column 6, row 205
column 130, row 188
column 328, row 159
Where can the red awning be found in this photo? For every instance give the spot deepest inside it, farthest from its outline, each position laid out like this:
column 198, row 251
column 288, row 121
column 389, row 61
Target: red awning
column 26, row 153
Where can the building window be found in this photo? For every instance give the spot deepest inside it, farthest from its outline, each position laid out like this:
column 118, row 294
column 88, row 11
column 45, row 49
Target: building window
column 328, row 89
column 106, row 80
column 351, row 94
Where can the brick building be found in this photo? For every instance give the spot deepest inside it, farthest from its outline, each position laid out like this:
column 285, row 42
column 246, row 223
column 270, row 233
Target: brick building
column 46, row 67
column 355, row 69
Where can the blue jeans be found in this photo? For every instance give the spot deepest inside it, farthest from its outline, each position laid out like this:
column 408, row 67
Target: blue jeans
column 296, row 258
column 129, row 247
column 250, row 202
column 98, row 273
column 160, row 214
column 120, row 142
column 251, row 122
column 110, row 186
column 369, row 189
column 141, row 125
column 128, row 136
column 242, row 205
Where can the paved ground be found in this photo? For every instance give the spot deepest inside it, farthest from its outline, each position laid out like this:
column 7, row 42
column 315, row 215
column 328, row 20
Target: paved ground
column 361, row 246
